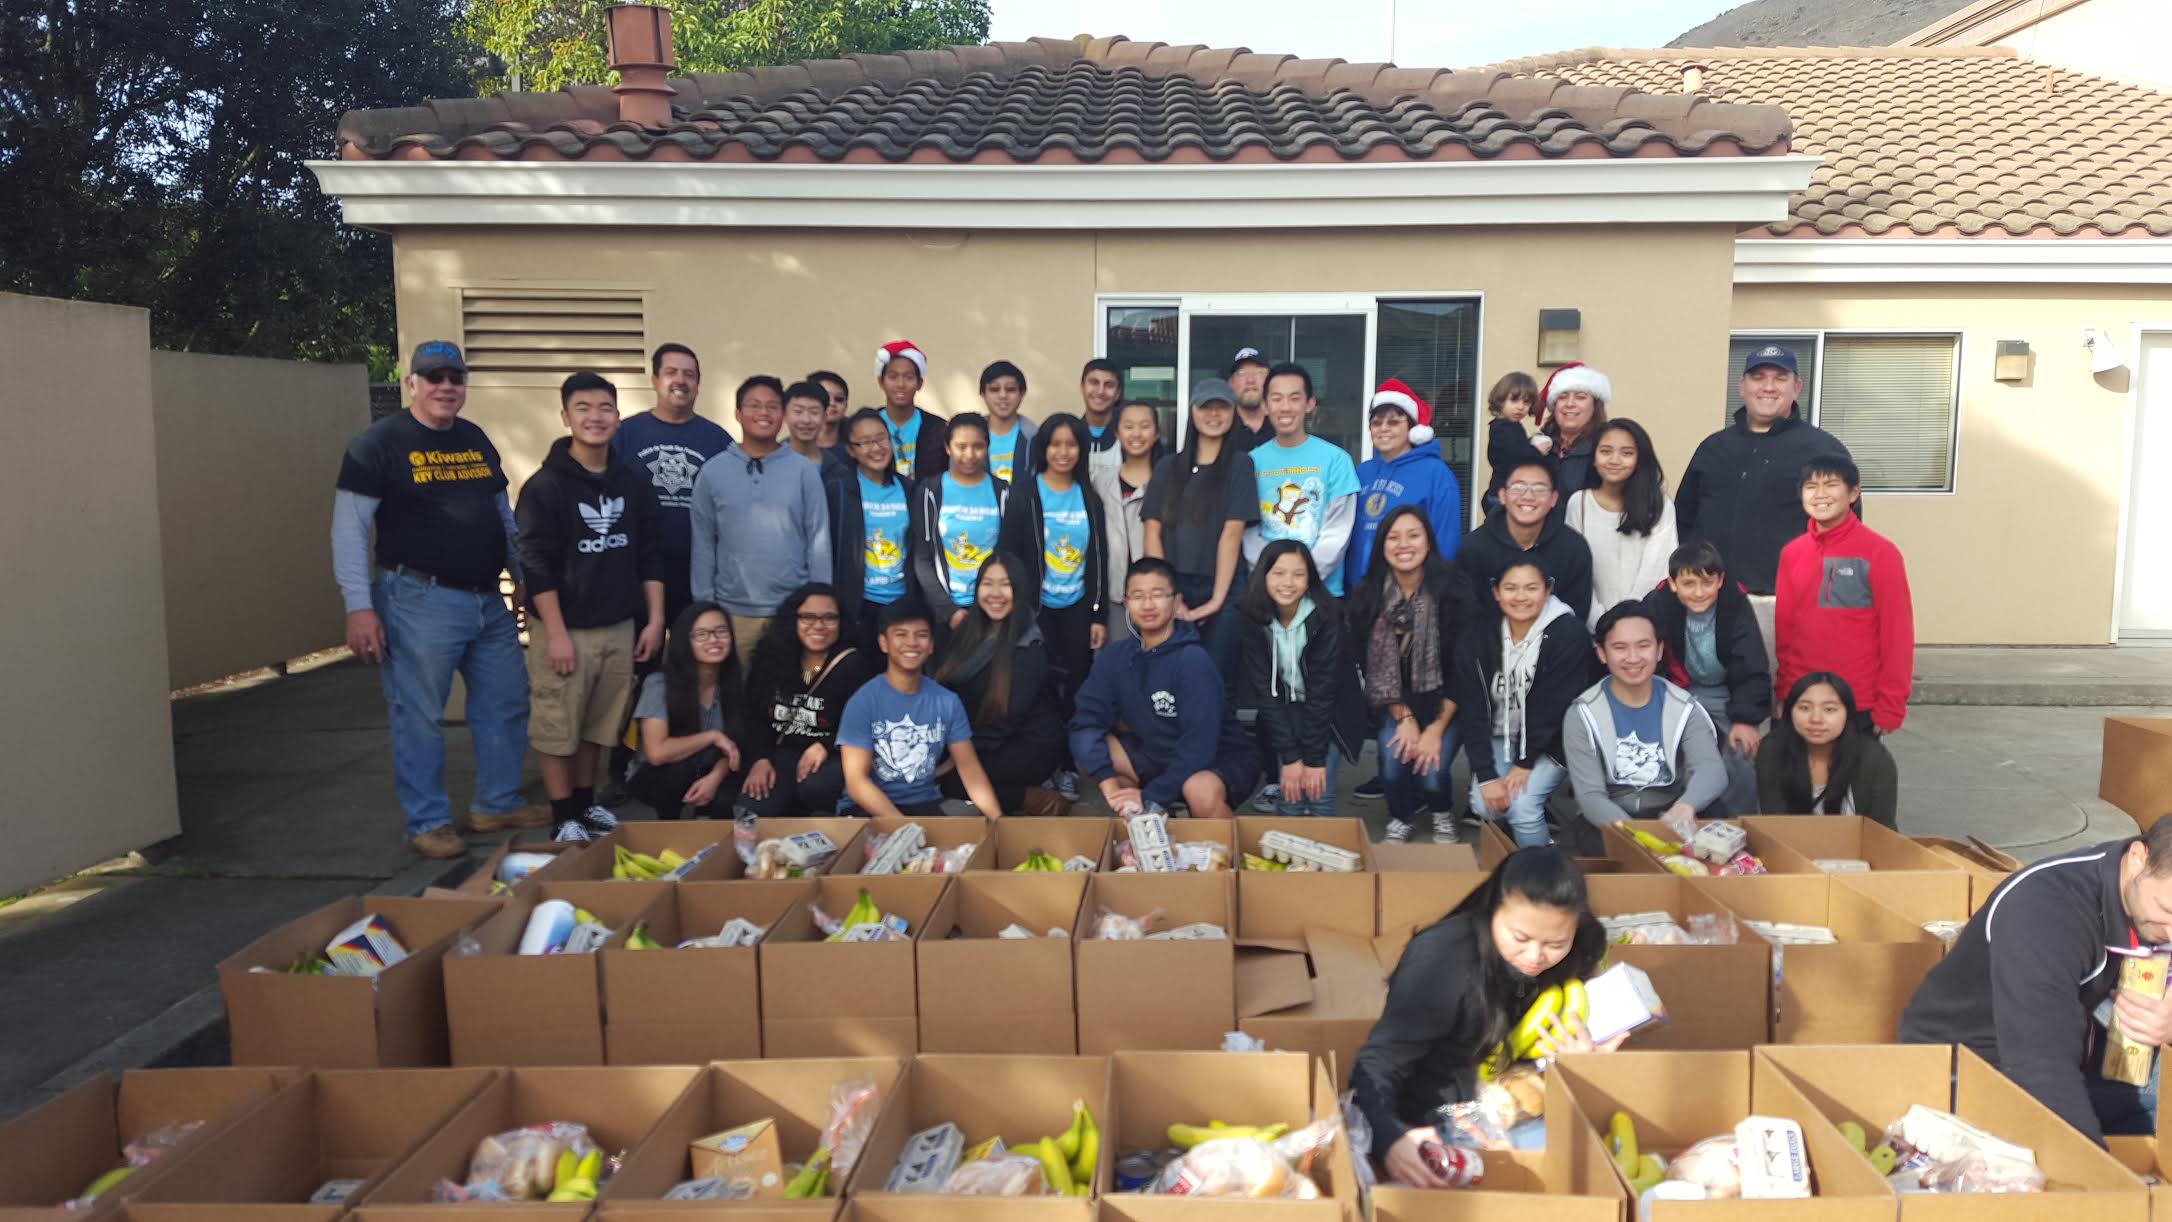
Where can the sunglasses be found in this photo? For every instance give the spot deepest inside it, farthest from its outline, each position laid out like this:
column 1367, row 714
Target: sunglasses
column 438, row 377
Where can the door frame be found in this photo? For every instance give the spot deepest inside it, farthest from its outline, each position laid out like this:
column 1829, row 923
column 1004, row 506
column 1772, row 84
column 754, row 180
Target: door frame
column 2137, row 334
column 1365, row 305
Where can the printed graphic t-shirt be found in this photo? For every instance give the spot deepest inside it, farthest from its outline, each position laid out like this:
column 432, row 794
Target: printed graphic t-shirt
column 437, row 496
column 906, row 733
column 671, row 455
column 1063, row 545
column 967, row 525
column 903, row 441
column 1640, row 748
column 1296, row 485
column 883, row 521
column 1003, row 452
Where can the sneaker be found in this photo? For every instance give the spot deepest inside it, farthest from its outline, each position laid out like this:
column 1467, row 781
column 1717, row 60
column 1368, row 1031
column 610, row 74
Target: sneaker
column 571, row 832
column 439, row 843
column 1268, row 799
column 1398, row 833
column 1445, row 828
column 1369, row 790
column 599, row 820
column 1065, row 783
column 535, row 815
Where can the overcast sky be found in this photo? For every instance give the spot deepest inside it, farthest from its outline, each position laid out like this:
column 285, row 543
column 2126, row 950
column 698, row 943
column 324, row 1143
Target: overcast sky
column 1426, row 33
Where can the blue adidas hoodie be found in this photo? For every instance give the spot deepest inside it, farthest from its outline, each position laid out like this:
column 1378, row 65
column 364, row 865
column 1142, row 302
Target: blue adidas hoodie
column 1418, row 477
column 1169, row 698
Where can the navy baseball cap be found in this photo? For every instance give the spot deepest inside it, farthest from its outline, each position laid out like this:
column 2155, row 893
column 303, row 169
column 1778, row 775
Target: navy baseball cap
column 432, row 355
column 1776, row 355
column 1245, row 356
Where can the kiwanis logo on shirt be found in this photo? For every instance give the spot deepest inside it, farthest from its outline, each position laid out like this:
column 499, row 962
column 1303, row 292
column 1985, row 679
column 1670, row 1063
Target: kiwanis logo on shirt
column 448, row 466
column 601, row 517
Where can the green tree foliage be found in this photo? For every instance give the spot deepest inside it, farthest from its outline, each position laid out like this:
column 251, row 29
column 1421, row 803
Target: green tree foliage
column 544, row 44
column 151, row 154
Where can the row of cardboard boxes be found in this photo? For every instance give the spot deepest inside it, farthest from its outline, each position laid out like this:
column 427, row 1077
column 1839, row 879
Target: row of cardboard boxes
column 258, row 1144
column 1301, row 963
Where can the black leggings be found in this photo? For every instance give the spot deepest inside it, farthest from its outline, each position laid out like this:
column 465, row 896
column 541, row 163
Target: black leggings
column 662, row 787
column 819, row 794
column 1013, row 766
column 1069, row 633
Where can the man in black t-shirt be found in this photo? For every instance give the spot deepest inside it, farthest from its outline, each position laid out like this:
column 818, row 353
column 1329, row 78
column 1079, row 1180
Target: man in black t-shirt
column 432, row 485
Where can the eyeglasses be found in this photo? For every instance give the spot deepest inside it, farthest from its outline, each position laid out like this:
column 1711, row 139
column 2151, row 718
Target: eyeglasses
column 702, row 635
column 815, row 618
column 867, row 441
column 438, row 377
column 1151, row 596
column 1529, row 489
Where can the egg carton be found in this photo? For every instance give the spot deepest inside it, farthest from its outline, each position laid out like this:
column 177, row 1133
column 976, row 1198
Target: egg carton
column 898, row 848
column 1150, row 847
column 1780, row 933
column 1299, row 850
column 1717, row 843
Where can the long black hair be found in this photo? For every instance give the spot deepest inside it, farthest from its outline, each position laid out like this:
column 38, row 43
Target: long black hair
column 682, row 674
column 1840, row 771
column 1258, row 606
column 1436, row 576
column 1204, row 508
column 1544, row 876
column 980, row 644
column 778, row 652
column 1644, row 493
column 1079, row 438
column 876, row 414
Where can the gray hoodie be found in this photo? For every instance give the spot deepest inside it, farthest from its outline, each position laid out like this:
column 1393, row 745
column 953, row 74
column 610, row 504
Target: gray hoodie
column 761, row 529
column 1692, row 746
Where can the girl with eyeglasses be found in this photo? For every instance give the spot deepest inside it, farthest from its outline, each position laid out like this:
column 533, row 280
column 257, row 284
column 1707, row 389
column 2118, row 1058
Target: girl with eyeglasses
column 871, row 538
column 795, row 694
column 690, row 719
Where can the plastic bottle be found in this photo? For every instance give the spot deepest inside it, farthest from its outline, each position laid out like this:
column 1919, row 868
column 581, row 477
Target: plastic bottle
column 548, row 927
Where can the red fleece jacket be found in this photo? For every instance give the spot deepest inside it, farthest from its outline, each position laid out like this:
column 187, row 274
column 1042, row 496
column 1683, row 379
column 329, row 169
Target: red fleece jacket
column 1842, row 605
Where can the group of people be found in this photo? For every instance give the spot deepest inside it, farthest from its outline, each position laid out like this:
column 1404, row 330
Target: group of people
column 891, row 610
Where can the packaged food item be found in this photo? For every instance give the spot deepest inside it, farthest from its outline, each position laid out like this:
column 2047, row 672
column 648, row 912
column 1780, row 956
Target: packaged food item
column 559, row 928
column 863, row 922
column 1198, row 931
column 853, row 1106
column 1112, row 926
column 528, row 1164
column 808, row 851
column 1621, row 999
column 335, row 1192
column 1712, row 1165
column 927, row 1161
column 748, row 1159
column 1461, row 1168
column 998, row 1175
column 1643, row 929
column 1771, row 1160
column 889, row 853
column 1741, row 865
column 1717, row 842
column 1781, row 933
column 1150, row 848
column 1307, row 852
column 1713, row 929
column 1252, row 1167
column 2129, row 1060
column 1841, row 865
column 514, row 867
column 1079, row 863
column 1937, row 1151
column 1686, row 866
column 709, row 1190
column 737, row 932
column 364, row 948
column 135, row 1156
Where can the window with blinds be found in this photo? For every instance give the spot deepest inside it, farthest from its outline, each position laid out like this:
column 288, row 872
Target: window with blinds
column 1433, row 346
column 544, row 334
column 1891, row 399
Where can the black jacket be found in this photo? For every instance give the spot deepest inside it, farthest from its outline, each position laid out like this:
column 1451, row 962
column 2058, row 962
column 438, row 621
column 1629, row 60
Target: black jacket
column 1022, row 536
column 927, row 566
column 1743, row 491
column 787, row 713
column 1030, row 712
column 1572, row 470
column 848, row 542
column 1741, row 650
column 1458, row 614
column 1508, row 447
column 1566, row 668
column 2026, row 1004
column 1487, row 552
column 1333, row 712
column 591, row 538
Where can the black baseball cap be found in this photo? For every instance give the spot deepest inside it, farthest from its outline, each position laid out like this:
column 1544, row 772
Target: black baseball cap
column 1245, row 356
column 1778, row 356
column 432, row 355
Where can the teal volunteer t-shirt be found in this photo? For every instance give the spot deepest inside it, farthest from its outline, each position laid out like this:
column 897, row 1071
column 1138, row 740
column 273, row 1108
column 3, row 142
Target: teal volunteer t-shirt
column 1063, row 545
column 966, row 525
column 884, row 522
column 1296, row 485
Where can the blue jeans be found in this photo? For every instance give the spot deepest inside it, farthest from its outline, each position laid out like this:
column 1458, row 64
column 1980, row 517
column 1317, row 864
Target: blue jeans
column 1402, row 784
column 430, row 632
column 1323, row 805
column 1527, row 813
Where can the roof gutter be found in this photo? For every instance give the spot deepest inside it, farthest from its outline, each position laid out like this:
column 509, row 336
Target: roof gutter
column 1740, row 190
column 1953, row 261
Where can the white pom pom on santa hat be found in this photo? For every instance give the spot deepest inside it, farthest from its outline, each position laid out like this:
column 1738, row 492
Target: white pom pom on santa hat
column 1396, row 393
column 897, row 348
column 1577, row 376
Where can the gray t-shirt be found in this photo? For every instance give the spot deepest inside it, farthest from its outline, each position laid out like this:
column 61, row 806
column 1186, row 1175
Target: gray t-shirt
column 651, row 703
column 1190, row 547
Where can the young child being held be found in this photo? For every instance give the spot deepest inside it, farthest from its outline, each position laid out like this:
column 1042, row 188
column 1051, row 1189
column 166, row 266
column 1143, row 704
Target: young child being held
column 1513, row 436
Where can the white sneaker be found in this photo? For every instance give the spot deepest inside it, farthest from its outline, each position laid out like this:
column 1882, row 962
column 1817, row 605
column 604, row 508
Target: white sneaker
column 1398, row 832
column 1065, row 783
column 1268, row 799
column 600, row 819
column 1444, row 827
column 571, row 832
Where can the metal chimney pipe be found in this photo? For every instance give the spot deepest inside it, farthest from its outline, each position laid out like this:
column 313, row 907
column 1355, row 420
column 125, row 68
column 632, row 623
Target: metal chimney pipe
column 641, row 53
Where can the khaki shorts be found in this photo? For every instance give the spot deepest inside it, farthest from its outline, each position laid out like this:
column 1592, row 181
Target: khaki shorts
column 747, row 632
column 588, row 705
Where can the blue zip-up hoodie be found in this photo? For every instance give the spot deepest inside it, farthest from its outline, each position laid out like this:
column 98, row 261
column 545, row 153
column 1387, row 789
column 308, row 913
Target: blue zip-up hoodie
column 1169, row 698
column 1418, row 477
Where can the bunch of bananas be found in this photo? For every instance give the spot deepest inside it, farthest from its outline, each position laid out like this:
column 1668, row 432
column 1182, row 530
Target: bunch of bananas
column 1038, row 862
column 629, row 866
column 1642, row 1171
column 1185, row 1136
column 1882, row 1156
column 813, row 1179
column 576, row 1178
column 1068, row 1159
column 862, row 912
column 1654, row 845
column 1253, row 861
column 639, row 939
column 1550, row 1006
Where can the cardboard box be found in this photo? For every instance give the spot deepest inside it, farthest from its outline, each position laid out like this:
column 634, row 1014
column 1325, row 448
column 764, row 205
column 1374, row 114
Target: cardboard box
column 688, row 1007
column 1875, row 1086
column 1676, row 1099
column 1494, row 843
column 793, row 1093
column 2145, row 1157
column 480, row 884
column 694, row 1211
column 1181, row 831
column 963, row 1209
column 504, row 1008
column 984, row 993
column 1411, row 900
column 1170, row 994
column 2137, row 770
column 845, row 999
column 52, row 1152
column 1986, row 866
column 398, row 1019
column 1431, row 858
column 335, row 1124
column 1323, row 1001
column 1019, row 1098
column 1779, row 857
column 685, row 837
column 1716, row 996
column 945, row 833
column 1149, row 1091
column 1274, row 904
column 1918, row 896
column 1571, row 1180
column 1017, row 836
column 1851, row 992
column 1844, row 836
column 620, row 1105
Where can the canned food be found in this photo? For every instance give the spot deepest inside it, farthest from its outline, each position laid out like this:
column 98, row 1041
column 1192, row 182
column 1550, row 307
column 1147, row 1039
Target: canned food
column 1460, row 1167
column 1135, row 1172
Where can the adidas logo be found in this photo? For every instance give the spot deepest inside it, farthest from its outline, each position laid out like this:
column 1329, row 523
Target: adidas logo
column 601, row 517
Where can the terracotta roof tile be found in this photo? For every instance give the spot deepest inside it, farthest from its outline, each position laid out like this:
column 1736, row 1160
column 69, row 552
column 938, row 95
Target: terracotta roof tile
column 1086, row 100
column 1920, row 142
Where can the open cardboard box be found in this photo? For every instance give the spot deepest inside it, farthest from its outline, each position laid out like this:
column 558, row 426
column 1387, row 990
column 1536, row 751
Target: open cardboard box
column 1844, row 836
column 1571, row 1180
column 1986, row 866
column 348, row 1022
column 1874, row 1087
column 1323, row 1001
column 652, row 836
column 1494, row 843
column 1851, row 992
column 1277, row 904
column 1411, row 900
column 1916, row 895
column 962, row 1209
column 2137, row 770
column 1181, row 831
column 687, row 1007
column 1716, row 996
column 822, row 998
column 335, row 1124
column 847, row 832
column 795, row 1094
column 1778, row 856
column 1017, row 1098
column 506, row 1008
column 825, row 1210
column 944, row 832
column 1016, row 836
column 478, row 885
column 984, row 993
column 2145, row 1156
column 52, row 1152
column 1167, row 994
column 1433, row 858
column 620, row 1105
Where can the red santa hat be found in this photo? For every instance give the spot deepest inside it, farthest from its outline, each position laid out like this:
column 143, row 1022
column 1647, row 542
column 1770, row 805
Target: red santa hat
column 1396, row 393
column 897, row 348
column 1576, row 375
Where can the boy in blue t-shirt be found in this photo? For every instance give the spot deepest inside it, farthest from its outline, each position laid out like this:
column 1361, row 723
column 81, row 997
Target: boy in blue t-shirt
column 1307, row 487
column 895, row 729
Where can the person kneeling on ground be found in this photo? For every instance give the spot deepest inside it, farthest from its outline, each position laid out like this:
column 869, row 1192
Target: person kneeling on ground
column 1820, row 760
column 804, row 672
column 1709, row 643
column 1407, row 614
column 1151, row 728
column 998, row 664
column 1639, row 747
column 1462, row 985
column 1516, row 677
column 1299, row 677
column 899, row 725
column 688, row 717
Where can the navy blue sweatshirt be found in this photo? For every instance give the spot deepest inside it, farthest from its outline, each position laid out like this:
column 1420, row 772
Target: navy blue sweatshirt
column 1170, row 699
